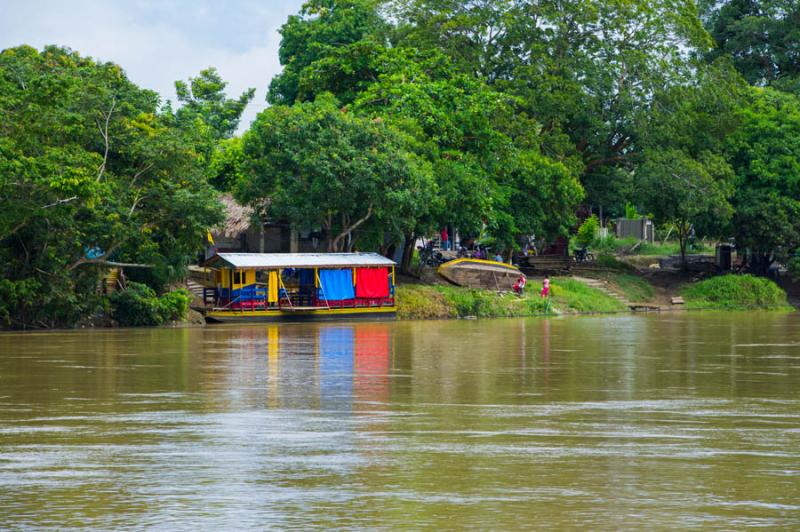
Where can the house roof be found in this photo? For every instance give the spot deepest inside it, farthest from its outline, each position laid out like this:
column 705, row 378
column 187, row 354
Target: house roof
column 238, row 217
column 297, row 260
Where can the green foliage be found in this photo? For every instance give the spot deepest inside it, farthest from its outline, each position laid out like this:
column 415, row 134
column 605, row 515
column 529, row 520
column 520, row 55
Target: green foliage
column 227, row 164
column 486, row 156
column 323, row 167
column 761, row 36
column 324, row 39
column 91, row 172
column 203, row 99
column 793, row 266
column 587, row 232
column 765, row 154
column 586, row 71
column 684, row 191
column 631, row 213
column 735, row 292
column 138, row 305
column 633, row 246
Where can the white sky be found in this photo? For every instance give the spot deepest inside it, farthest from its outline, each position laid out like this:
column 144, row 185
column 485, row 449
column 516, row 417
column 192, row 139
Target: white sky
column 160, row 41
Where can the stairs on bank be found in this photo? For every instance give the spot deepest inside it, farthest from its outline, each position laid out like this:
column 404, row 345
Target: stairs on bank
column 603, row 286
column 110, row 281
column 195, row 288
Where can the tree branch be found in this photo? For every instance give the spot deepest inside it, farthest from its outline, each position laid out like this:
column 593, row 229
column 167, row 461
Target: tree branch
column 352, row 228
column 60, row 202
column 104, row 132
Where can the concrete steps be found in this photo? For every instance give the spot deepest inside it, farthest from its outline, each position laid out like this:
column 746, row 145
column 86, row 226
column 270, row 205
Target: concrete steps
column 109, row 282
column 606, row 289
column 195, row 288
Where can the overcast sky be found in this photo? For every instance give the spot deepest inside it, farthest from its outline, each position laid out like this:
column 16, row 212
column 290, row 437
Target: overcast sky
column 160, row 41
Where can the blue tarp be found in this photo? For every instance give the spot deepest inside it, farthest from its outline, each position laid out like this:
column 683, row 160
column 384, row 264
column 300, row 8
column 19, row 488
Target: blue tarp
column 336, row 285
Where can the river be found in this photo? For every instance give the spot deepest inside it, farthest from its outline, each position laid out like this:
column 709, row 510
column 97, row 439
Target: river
column 671, row 421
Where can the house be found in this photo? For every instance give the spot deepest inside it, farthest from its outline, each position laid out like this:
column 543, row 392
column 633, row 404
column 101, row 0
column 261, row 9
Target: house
column 241, row 232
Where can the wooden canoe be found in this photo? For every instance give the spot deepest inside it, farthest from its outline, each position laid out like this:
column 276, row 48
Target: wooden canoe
column 477, row 273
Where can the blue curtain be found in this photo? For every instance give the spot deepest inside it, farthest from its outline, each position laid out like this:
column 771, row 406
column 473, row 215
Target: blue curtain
column 306, row 277
column 336, row 285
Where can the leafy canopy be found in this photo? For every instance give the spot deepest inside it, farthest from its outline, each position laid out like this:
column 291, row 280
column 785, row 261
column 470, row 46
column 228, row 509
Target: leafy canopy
column 91, row 173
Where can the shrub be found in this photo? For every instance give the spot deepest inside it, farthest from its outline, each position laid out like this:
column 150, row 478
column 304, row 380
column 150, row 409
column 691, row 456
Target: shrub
column 588, row 230
column 631, row 212
column 735, row 292
column 139, row 305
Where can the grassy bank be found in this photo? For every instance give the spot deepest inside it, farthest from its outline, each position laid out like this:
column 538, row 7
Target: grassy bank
column 735, row 292
column 635, row 247
column 442, row 302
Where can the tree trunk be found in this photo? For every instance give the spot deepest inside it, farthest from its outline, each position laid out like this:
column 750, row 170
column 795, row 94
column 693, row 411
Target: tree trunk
column 683, row 237
column 408, row 253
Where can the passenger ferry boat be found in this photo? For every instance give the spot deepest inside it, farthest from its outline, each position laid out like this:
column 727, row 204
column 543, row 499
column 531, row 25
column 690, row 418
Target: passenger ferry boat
column 252, row 287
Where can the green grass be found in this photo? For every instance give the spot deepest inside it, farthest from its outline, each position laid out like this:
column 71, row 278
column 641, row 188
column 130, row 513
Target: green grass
column 623, row 245
column 612, row 263
column 571, row 295
column 734, row 292
column 634, row 288
column 443, row 302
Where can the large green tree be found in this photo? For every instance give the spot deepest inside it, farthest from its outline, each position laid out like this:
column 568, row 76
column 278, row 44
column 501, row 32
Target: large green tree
column 761, row 36
column 91, row 175
column 322, row 31
column 586, row 71
column 765, row 154
column 321, row 167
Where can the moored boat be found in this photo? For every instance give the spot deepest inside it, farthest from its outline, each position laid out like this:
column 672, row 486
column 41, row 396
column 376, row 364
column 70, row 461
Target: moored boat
column 478, row 273
column 253, row 287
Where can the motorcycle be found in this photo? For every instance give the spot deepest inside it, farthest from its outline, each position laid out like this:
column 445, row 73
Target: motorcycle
column 582, row 255
column 430, row 257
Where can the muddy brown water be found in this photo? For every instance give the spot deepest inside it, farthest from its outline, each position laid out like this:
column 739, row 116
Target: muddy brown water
column 685, row 420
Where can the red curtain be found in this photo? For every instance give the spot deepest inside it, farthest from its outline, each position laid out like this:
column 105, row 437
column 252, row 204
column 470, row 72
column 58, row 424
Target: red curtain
column 372, row 282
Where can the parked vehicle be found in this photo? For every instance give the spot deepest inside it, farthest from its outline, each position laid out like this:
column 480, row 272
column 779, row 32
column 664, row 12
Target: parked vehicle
column 582, row 255
column 428, row 256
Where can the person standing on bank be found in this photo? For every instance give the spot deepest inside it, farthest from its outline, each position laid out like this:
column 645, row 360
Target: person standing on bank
column 445, row 239
column 546, row 287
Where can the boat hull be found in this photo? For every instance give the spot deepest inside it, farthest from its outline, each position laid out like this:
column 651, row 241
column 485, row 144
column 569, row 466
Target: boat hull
column 476, row 273
column 261, row 316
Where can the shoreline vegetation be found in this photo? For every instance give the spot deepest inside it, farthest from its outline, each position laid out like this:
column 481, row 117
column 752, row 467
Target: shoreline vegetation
column 572, row 297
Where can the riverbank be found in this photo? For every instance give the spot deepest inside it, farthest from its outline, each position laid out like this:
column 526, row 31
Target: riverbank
column 569, row 295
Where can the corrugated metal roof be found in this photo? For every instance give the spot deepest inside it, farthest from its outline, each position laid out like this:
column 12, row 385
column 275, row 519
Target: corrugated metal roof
column 299, row 260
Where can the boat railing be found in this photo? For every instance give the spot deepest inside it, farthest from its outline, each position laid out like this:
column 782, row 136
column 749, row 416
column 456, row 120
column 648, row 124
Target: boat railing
column 256, row 299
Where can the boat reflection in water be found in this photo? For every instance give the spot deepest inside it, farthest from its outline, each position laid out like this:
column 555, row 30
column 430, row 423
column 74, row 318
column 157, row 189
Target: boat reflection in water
column 327, row 367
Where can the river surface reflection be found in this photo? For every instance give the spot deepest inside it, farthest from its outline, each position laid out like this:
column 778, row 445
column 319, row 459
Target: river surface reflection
column 684, row 420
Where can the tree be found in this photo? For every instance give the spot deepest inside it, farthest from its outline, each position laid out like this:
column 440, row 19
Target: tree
column 765, row 155
column 204, row 98
column 319, row 166
column 683, row 191
column 92, row 175
column 761, row 37
column 323, row 30
column 587, row 72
